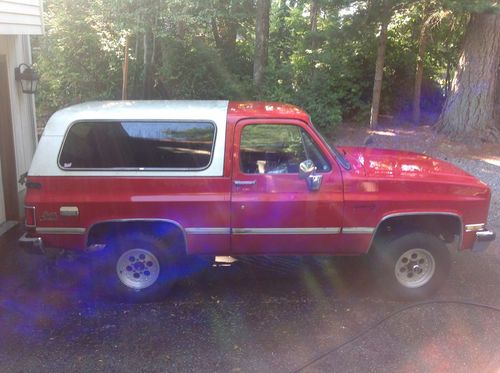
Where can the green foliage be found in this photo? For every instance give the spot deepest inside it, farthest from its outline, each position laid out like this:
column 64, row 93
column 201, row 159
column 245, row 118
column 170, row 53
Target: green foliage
column 77, row 59
column 199, row 72
column 204, row 50
column 329, row 81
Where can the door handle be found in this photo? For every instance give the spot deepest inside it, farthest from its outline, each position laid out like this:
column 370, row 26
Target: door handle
column 244, row 182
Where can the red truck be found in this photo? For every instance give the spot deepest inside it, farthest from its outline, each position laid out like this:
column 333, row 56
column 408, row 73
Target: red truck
column 144, row 186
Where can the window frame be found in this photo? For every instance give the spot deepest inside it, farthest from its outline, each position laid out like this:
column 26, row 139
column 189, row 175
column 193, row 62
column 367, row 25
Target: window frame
column 275, row 122
column 159, row 169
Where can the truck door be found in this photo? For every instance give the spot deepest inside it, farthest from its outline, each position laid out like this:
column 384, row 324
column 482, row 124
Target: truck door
column 272, row 210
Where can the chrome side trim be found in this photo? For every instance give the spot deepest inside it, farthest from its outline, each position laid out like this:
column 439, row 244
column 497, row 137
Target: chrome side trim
column 460, row 239
column 244, row 182
column 358, row 230
column 319, row 230
column 60, row 230
column 475, row 227
column 194, row 230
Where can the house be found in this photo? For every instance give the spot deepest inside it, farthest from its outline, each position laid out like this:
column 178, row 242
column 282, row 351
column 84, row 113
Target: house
column 18, row 20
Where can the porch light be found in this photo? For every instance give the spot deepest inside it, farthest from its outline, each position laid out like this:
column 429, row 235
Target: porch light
column 25, row 74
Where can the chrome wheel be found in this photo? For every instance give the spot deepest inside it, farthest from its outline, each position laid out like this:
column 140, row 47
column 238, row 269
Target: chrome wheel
column 415, row 268
column 138, row 268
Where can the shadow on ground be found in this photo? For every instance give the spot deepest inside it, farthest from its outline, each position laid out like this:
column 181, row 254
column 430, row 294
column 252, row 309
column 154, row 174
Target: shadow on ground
column 266, row 315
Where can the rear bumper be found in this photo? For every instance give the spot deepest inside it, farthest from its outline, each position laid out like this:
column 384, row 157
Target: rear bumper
column 31, row 245
column 483, row 240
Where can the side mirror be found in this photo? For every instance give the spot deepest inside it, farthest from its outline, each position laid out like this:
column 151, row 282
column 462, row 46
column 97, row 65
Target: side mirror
column 306, row 171
column 306, row 168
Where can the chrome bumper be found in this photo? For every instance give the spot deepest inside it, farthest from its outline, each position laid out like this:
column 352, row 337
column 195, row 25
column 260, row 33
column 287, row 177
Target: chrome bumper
column 31, row 245
column 483, row 240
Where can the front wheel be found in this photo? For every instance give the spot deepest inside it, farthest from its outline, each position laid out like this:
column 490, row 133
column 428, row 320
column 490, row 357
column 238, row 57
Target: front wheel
column 412, row 266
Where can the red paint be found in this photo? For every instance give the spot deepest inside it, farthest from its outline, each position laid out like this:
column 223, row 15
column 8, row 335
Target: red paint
column 380, row 183
column 284, row 201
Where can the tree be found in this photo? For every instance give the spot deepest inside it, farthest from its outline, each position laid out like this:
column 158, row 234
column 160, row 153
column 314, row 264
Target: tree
column 148, row 63
column 419, row 71
column 379, row 72
column 432, row 17
column 315, row 12
column 470, row 107
column 228, row 18
column 317, row 54
column 261, row 41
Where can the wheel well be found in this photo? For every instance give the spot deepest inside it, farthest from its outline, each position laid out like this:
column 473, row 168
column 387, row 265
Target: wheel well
column 104, row 233
column 444, row 227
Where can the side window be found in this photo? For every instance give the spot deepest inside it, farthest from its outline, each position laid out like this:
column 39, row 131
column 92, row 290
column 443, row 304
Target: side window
column 277, row 149
column 314, row 154
column 135, row 145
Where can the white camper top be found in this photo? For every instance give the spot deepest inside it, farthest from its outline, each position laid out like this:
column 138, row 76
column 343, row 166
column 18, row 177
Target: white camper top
column 45, row 161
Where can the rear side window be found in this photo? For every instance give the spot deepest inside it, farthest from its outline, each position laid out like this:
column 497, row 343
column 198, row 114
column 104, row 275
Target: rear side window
column 137, row 145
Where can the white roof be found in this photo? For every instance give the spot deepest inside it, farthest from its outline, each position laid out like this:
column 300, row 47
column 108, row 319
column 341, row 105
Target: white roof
column 45, row 161
column 135, row 110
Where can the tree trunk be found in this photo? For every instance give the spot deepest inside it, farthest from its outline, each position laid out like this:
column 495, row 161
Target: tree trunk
column 261, row 41
column 469, row 109
column 419, row 73
column 215, row 32
column 225, row 32
column 497, row 104
column 125, row 70
column 282, row 53
column 447, row 80
column 379, row 72
column 315, row 10
column 147, row 86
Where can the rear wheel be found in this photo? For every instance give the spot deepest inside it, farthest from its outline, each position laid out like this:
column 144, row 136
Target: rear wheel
column 412, row 266
column 138, row 267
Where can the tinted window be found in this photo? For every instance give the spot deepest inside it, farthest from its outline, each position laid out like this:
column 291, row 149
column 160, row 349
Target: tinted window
column 273, row 149
column 138, row 145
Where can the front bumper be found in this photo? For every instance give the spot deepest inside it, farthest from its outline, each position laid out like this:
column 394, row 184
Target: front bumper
column 31, row 245
column 483, row 240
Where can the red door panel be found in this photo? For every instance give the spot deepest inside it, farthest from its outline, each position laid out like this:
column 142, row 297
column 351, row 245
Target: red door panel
column 275, row 213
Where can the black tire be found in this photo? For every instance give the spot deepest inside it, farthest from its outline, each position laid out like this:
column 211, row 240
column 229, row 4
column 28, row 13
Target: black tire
column 155, row 261
column 412, row 266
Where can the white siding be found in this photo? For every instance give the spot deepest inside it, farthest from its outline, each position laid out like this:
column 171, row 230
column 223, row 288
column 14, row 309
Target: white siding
column 17, row 50
column 21, row 17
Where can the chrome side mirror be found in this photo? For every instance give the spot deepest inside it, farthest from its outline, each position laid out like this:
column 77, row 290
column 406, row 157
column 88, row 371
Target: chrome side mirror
column 306, row 168
column 306, row 171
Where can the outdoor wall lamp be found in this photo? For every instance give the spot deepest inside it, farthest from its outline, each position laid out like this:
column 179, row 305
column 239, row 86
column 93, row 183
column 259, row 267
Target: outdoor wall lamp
column 25, row 74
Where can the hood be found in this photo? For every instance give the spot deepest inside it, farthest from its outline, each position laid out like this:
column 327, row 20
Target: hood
column 373, row 162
